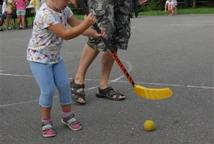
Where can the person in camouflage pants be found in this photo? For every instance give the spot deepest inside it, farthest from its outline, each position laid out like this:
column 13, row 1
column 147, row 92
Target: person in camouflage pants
column 113, row 16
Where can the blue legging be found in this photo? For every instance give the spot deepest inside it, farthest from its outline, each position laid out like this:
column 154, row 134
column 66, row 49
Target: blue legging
column 49, row 76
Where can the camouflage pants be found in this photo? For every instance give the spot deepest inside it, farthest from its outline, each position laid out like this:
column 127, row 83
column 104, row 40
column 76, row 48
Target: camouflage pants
column 114, row 17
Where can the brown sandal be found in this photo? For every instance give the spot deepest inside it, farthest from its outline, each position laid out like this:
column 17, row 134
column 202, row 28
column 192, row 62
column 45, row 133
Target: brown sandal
column 78, row 93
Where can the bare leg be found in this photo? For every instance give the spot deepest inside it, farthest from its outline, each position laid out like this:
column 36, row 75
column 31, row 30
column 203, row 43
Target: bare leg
column 22, row 21
column 1, row 23
column 105, row 91
column 46, row 120
column 174, row 11
column 87, row 57
column 106, row 66
column 9, row 21
column 19, row 21
column 66, row 108
column 45, row 113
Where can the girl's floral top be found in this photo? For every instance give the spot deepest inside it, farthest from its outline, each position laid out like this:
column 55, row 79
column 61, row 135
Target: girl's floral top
column 44, row 46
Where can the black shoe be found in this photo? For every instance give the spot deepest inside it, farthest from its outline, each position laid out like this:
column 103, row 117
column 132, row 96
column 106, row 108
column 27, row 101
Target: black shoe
column 111, row 94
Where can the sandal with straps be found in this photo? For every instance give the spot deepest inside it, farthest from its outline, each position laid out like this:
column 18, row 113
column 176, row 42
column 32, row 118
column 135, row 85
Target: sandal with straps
column 78, row 92
column 72, row 123
column 110, row 93
column 48, row 131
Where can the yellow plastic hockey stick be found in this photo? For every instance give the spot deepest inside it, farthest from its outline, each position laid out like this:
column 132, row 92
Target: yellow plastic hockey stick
column 148, row 93
column 145, row 92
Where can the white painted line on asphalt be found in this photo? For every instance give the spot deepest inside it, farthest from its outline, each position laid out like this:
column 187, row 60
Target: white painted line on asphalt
column 129, row 68
column 18, row 103
column 171, row 85
column 190, row 24
column 14, row 75
column 116, row 80
column 120, row 81
column 200, row 87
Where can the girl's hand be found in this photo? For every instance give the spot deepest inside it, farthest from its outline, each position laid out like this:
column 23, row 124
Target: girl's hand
column 90, row 19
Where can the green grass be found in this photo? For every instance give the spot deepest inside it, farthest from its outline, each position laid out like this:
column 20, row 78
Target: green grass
column 196, row 11
column 180, row 11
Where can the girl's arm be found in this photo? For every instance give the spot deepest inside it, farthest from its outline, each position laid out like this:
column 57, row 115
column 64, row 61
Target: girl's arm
column 68, row 33
column 73, row 21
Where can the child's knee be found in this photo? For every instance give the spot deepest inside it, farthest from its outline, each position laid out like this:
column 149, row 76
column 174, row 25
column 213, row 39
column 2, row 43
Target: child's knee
column 46, row 97
column 62, row 84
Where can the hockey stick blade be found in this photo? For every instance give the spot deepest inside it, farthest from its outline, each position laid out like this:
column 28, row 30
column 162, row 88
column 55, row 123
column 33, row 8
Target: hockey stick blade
column 152, row 93
column 145, row 92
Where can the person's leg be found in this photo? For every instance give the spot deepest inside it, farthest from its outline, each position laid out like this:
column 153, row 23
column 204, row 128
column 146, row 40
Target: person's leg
column 119, row 41
column 18, row 18
column 77, row 85
column 62, row 84
column 87, row 57
column 18, row 21
column 171, row 12
column 104, row 90
column 21, row 22
column 1, row 23
column 8, row 21
column 43, row 75
column 23, row 13
column 106, row 66
column 174, row 10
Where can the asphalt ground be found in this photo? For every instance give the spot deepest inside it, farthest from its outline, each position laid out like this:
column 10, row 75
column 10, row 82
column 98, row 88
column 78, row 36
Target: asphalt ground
column 164, row 51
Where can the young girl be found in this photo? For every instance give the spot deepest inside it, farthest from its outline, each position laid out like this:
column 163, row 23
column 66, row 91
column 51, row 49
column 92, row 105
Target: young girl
column 21, row 12
column 47, row 64
column 170, row 7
